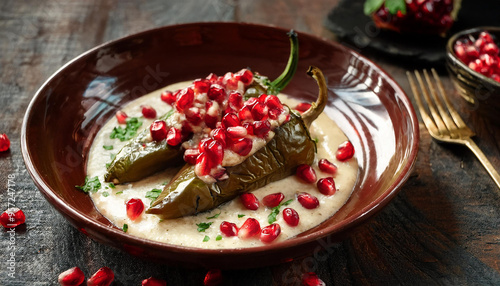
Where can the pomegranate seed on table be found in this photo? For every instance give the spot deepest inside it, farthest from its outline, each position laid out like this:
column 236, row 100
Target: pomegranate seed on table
column 168, row 97
column 213, row 278
column 308, row 201
column 228, row 229
column 306, row 173
column 345, row 151
column 71, row 277
column 273, row 200
column 4, row 142
column 121, row 117
column 12, row 217
column 270, row 233
column 148, row 111
column 242, row 146
column 326, row 186
column 312, row 279
column 174, row 137
column 302, row 107
column 291, row 217
column 151, row 281
column 158, row 130
column 327, row 166
column 185, row 99
column 103, row 277
column 134, row 207
column 250, row 228
column 249, row 201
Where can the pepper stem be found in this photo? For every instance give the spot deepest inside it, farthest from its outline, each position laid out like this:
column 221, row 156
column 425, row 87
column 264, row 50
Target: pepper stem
column 279, row 83
column 316, row 107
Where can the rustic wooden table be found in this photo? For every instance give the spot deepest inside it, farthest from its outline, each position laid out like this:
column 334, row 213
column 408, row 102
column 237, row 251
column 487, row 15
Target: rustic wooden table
column 442, row 228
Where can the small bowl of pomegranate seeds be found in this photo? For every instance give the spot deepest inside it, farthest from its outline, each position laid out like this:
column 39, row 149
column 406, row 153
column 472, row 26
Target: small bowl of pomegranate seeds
column 473, row 60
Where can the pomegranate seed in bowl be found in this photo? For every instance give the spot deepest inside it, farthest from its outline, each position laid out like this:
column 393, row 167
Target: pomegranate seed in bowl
column 121, row 117
column 345, row 151
column 273, row 200
column 308, row 201
column 250, row 228
column 250, row 201
column 269, row 233
column 228, row 229
column 306, row 173
column 135, row 207
column 148, row 111
column 327, row 166
column 326, row 186
column 291, row 217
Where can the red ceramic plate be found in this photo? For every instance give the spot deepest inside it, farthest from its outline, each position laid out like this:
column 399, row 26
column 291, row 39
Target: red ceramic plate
column 69, row 109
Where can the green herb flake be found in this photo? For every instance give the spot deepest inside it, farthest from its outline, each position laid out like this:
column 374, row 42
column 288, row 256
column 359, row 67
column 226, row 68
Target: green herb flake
column 219, row 237
column 394, row 6
column 105, row 194
column 371, row 6
column 240, row 215
column 127, row 133
column 202, row 226
column 107, row 165
column 107, row 147
column 111, row 185
column 316, row 140
column 214, row 216
column 118, row 193
column 276, row 210
column 125, row 227
column 90, row 185
column 206, row 238
column 153, row 194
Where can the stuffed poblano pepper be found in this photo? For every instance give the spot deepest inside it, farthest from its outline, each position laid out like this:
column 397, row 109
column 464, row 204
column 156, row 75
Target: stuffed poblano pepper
column 263, row 142
column 196, row 110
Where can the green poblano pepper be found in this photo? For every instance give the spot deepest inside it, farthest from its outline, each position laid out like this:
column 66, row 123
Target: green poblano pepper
column 291, row 146
column 140, row 158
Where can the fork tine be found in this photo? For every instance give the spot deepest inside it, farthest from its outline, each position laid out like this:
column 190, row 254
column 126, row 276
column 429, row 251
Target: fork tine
column 435, row 115
column 425, row 116
column 456, row 117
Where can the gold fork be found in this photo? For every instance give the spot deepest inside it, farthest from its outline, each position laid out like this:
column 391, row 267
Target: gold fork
column 445, row 125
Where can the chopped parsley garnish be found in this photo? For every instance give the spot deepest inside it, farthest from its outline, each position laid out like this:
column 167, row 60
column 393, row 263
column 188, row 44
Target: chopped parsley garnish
column 125, row 227
column 107, row 147
column 219, row 237
column 241, row 215
column 214, row 216
column 111, row 185
column 90, row 185
column 164, row 183
column 276, row 210
column 153, row 194
column 202, row 226
column 206, row 238
column 316, row 140
column 107, row 165
column 120, row 192
column 127, row 133
column 105, row 194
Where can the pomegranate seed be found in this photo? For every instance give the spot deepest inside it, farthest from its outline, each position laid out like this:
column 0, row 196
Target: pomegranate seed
column 220, row 135
column 168, row 97
column 306, row 173
column 201, row 86
column 345, row 151
column 302, row 107
column 135, row 207
column 308, row 201
column 273, row 200
column 148, row 111
column 203, row 165
column 230, row 120
column 245, row 76
column 311, row 279
column 217, row 93
column 259, row 111
column 103, row 277
column 151, row 281
column 236, row 131
column 291, row 217
column 185, row 99
column 173, row 137
column 4, row 142
column 495, row 77
column 229, row 228
column 71, row 277
column 213, row 278
column 249, row 128
column 486, row 37
column 472, row 52
column 250, row 228
column 491, row 49
column 190, row 156
column 235, row 100
column 12, row 217
column 273, row 102
column 250, row 201
column 212, row 78
column 245, row 113
column 327, row 166
column 214, row 150
column 211, row 121
column 261, row 128
column 242, row 146
column 274, row 113
column 158, row 130
column 270, row 233
column 230, row 80
column 326, row 186
column 121, row 117
column 251, row 102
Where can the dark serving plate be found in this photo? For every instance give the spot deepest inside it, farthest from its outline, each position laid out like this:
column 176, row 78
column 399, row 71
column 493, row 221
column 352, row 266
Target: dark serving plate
column 72, row 105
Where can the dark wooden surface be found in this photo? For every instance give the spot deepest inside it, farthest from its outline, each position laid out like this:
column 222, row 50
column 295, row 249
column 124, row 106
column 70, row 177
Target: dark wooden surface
column 442, row 228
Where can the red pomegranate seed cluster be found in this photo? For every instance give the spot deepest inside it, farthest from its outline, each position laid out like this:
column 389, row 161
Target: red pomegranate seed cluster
column 102, row 277
column 212, row 114
column 481, row 54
